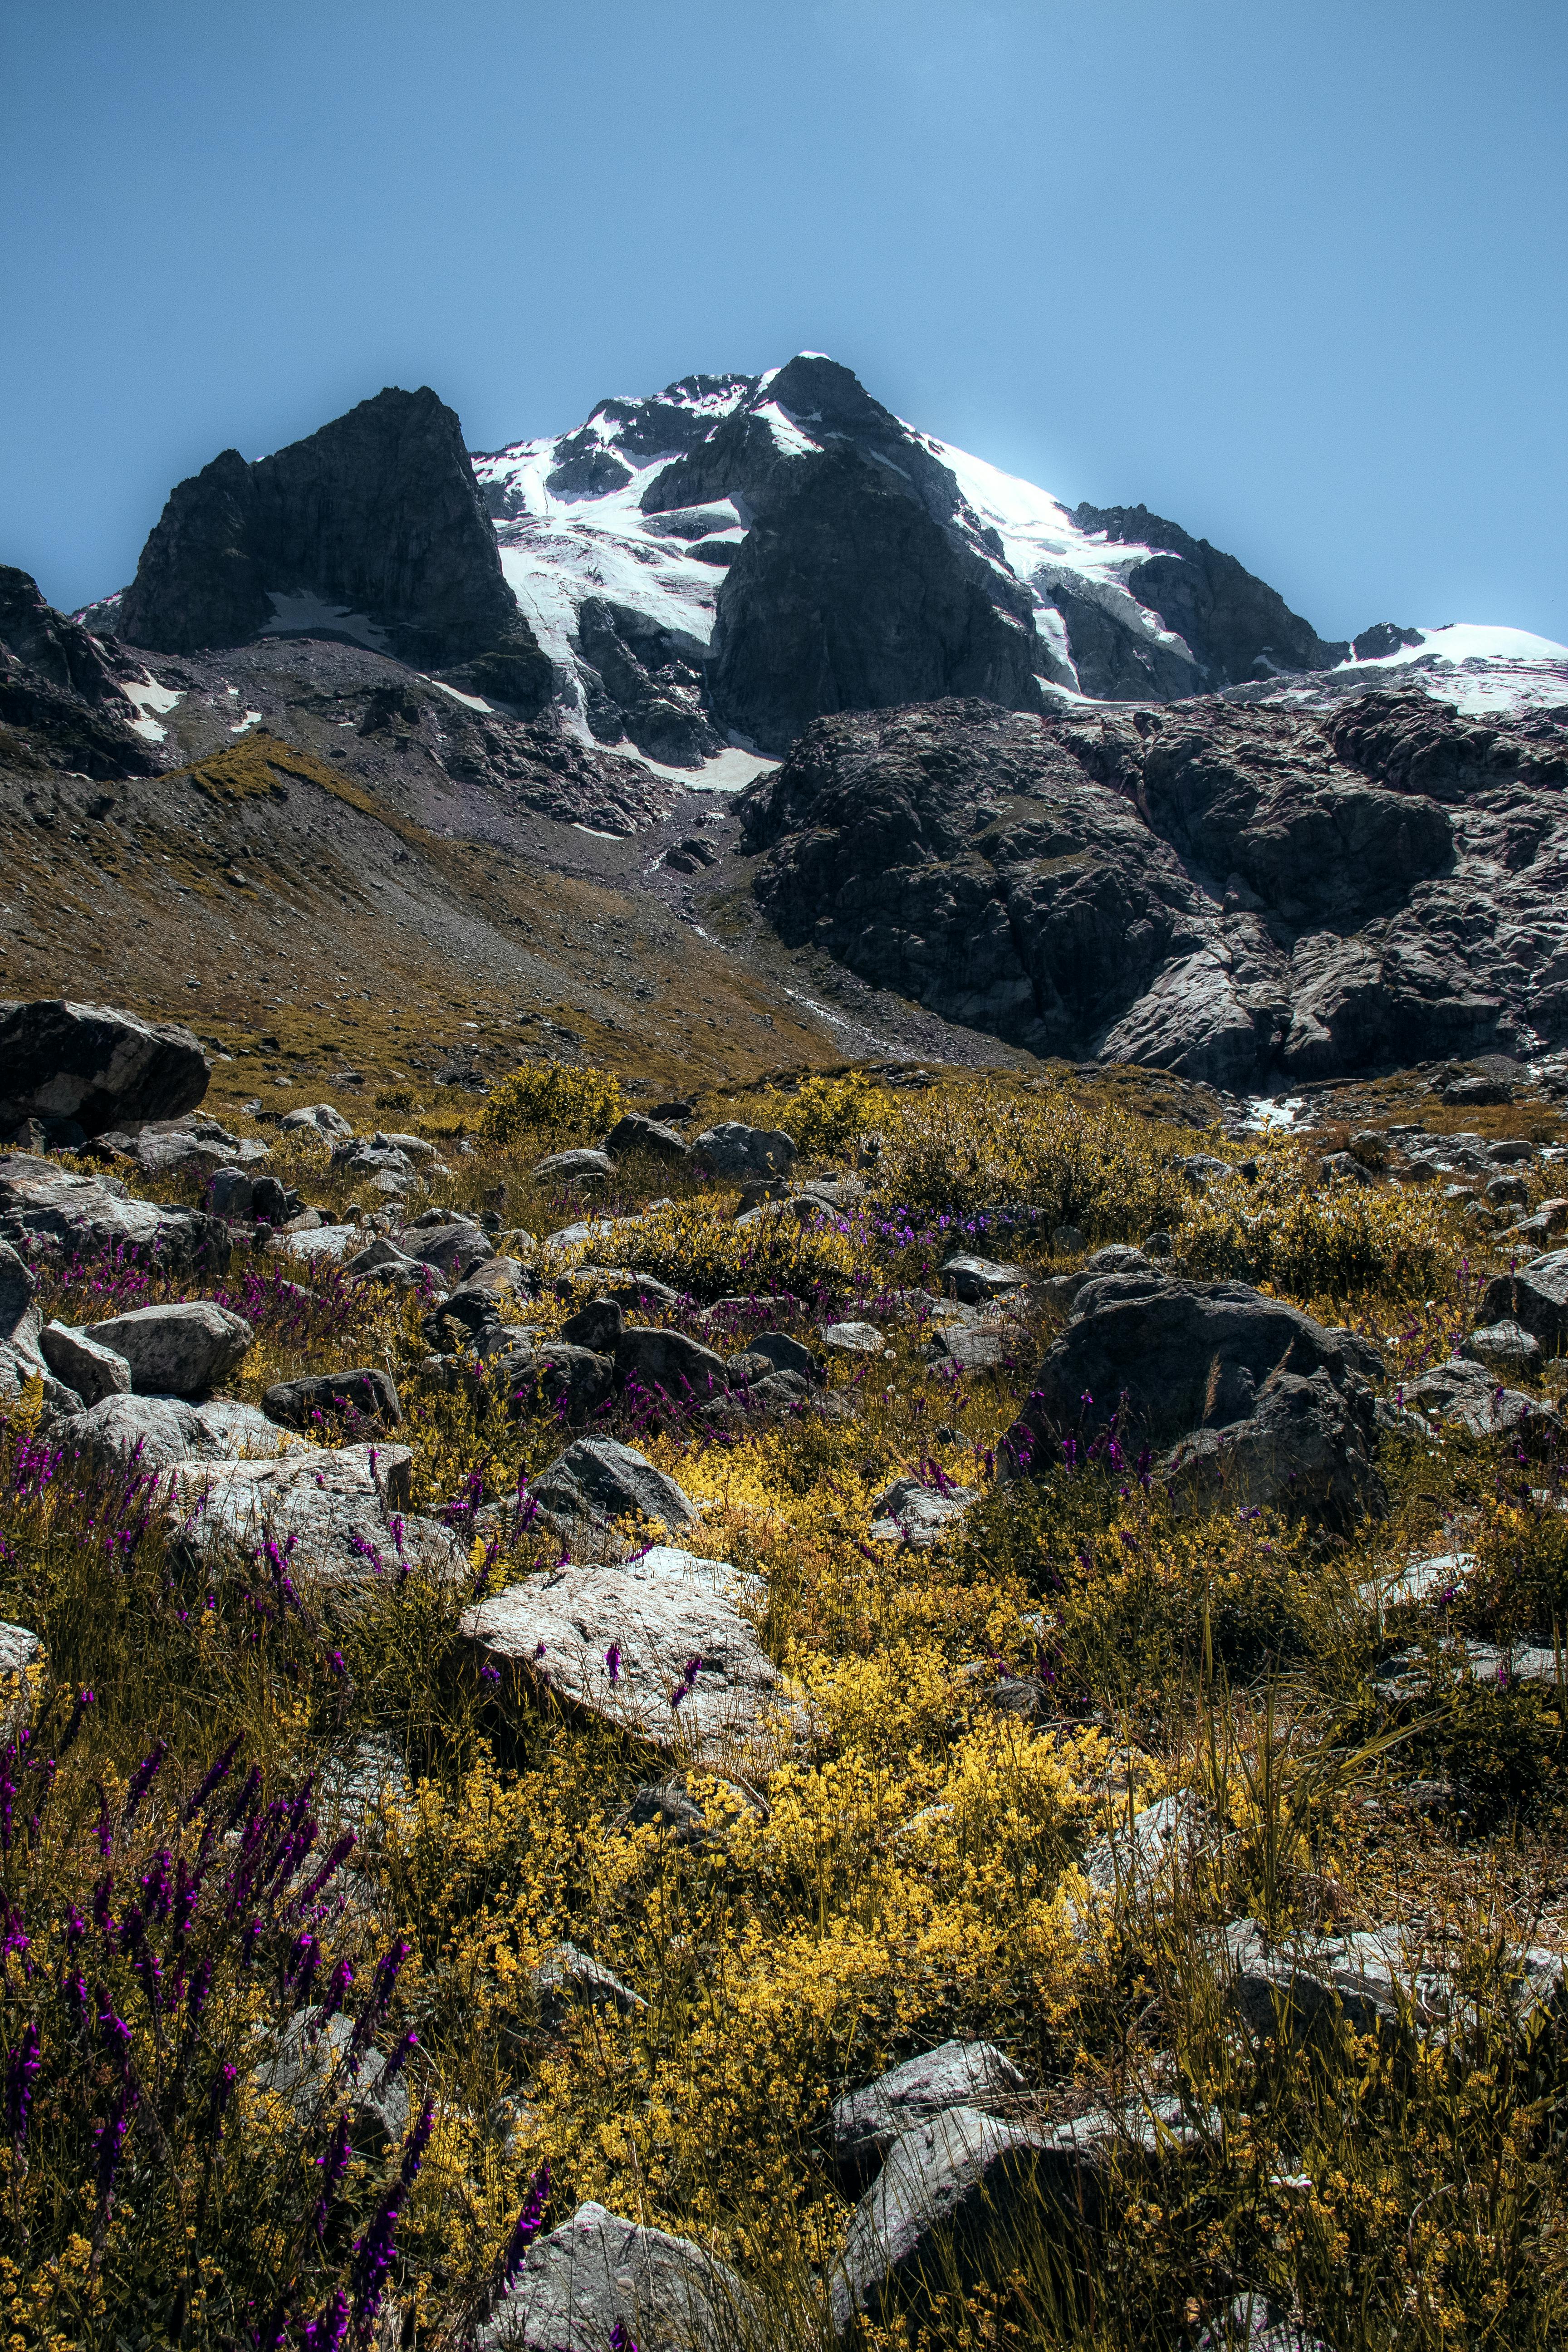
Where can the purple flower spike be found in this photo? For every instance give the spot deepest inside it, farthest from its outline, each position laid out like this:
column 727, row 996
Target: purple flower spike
column 141, row 1780
column 612, row 1663
column 526, row 2227
column 619, row 2339
column 22, row 2065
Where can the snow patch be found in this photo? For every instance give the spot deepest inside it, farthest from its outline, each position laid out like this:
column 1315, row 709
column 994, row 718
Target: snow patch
column 149, row 698
column 242, row 727
column 469, row 701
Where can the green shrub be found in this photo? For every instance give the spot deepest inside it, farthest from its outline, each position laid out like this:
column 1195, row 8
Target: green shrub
column 826, row 1115
column 550, row 1100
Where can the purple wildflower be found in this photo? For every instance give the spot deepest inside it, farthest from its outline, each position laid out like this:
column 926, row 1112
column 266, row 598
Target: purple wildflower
column 22, row 2065
column 216, row 1775
column 334, row 2165
column 526, row 2227
column 612, row 1663
column 141, row 1780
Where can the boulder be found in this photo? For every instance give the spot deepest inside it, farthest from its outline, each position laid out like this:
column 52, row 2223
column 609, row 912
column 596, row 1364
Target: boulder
column 94, row 1064
column 42, row 1208
column 913, row 1513
column 568, row 1978
column 1219, row 1380
column 785, row 1355
column 1299, row 1986
column 183, row 1350
column 172, row 1151
column 367, row 1395
column 599, row 1480
column 1505, row 1348
column 976, row 1279
column 1116, row 1258
column 733, row 1150
column 451, row 1246
column 1471, row 1394
column 853, row 1339
column 867, row 2122
column 84, row 1363
column 571, row 1167
column 664, row 1363
column 17, row 1285
column 466, row 1323
column 327, row 1121
column 598, row 1325
column 635, row 1133
column 558, row 1376
column 329, row 1511
column 310, row 2071
column 959, row 2191
column 599, row 2280
column 1536, row 1296
column 656, row 1646
column 152, row 1433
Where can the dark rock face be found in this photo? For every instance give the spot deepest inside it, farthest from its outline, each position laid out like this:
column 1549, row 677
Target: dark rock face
column 378, row 512
column 96, row 1065
column 651, row 684
column 56, row 649
column 1222, row 890
column 1237, row 626
column 1221, row 1381
column 1385, row 637
column 845, row 595
column 60, row 699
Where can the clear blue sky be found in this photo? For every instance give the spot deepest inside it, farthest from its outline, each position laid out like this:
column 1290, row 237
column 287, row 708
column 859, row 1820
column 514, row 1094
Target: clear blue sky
column 1290, row 271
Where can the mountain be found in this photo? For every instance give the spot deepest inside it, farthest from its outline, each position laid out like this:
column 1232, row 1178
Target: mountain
column 372, row 527
column 511, row 729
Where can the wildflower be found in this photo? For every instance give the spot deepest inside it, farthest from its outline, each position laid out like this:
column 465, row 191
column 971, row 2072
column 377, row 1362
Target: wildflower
column 612, row 1663
column 526, row 2227
column 334, row 2165
column 619, row 2339
column 215, row 1776
column 376, row 2002
column 22, row 2067
column 141, row 1780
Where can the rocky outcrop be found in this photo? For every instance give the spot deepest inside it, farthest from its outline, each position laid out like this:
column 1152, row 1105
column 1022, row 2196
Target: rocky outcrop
column 1226, row 891
column 1235, row 624
column 58, row 651
column 1226, row 1386
column 599, row 2280
column 847, row 595
column 376, row 516
column 94, row 1066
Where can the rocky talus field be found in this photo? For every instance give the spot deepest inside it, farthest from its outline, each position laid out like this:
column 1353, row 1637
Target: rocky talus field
column 828, row 1713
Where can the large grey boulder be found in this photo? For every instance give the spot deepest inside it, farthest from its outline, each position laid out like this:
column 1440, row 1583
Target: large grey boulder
column 181, row 1349
column 656, row 1646
column 1472, row 1395
column 734, row 1149
column 963, row 2195
column 1299, row 1986
column 336, row 1512
column 599, row 1479
column 571, row 1167
column 1536, row 1296
column 975, row 1279
column 325, row 1120
column 598, row 2274
column 94, row 1064
column 42, row 1208
column 1227, row 1386
column 451, row 1246
column 365, row 1395
column 867, row 2122
column 309, row 2069
column 666, row 1362
column 152, row 1433
column 84, row 1363
column 635, row 1133
column 18, row 1285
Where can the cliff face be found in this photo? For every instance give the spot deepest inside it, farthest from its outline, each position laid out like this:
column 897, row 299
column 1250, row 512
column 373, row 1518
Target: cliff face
column 376, row 515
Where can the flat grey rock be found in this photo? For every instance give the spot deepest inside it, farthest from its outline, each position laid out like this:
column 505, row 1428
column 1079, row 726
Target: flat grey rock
column 323, row 1118
column 571, row 1167
column 733, row 1150
column 331, row 1510
column 84, row 1363
column 598, row 2271
column 654, row 1648
column 183, row 1349
column 974, row 1279
column 853, row 1339
column 95, row 1065
column 43, row 1208
column 867, row 2122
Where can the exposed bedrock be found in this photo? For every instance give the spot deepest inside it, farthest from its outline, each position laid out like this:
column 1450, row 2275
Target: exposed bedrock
column 1228, row 892
column 378, row 514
